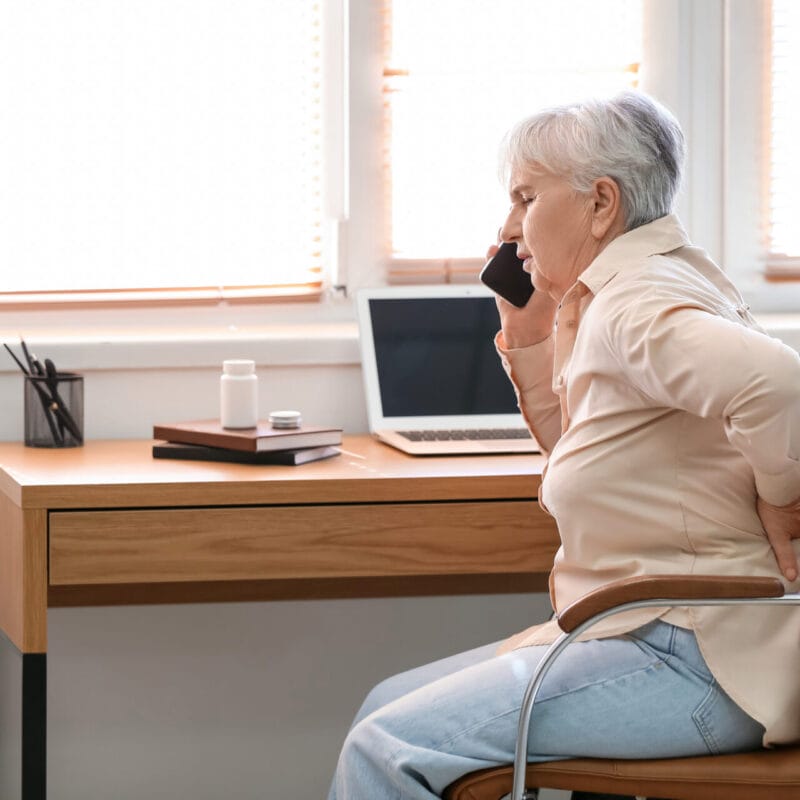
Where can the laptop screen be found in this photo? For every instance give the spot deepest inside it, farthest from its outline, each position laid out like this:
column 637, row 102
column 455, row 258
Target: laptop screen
column 435, row 356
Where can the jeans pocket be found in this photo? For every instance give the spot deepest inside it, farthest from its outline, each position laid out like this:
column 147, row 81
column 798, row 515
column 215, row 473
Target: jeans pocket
column 724, row 726
column 703, row 717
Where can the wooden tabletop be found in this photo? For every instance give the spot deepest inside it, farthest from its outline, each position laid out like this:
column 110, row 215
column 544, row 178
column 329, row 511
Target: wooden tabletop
column 124, row 473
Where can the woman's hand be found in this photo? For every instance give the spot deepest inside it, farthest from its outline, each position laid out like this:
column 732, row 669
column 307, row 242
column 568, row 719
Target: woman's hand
column 529, row 325
column 782, row 525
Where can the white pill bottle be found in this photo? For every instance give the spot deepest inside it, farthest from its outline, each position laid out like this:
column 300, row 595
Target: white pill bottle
column 238, row 394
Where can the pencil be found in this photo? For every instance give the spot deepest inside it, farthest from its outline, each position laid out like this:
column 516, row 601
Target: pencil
column 19, row 363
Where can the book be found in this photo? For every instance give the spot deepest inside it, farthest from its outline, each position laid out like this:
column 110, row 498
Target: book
column 199, row 452
column 249, row 440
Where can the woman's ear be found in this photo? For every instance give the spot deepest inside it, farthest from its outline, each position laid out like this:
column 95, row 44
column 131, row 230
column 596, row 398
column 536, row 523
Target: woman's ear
column 607, row 215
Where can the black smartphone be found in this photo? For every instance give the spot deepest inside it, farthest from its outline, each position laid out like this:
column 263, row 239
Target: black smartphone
column 504, row 275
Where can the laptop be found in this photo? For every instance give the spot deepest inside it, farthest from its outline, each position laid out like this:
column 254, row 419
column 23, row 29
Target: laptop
column 433, row 380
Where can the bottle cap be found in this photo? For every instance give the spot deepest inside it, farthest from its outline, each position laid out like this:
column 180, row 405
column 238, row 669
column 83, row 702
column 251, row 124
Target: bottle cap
column 285, row 419
column 238, row 366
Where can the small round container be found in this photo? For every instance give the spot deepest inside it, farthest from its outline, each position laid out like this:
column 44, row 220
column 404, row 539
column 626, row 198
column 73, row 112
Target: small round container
column 285, row 419
column 238, row 394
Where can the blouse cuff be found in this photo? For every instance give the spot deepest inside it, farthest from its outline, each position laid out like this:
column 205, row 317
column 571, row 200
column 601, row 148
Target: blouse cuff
column 782, row 489
column 528, row 364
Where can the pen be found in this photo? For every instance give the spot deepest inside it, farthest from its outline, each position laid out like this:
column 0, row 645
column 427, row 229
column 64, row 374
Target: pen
column 27, row 355
column 59, row 407
column 47, row 404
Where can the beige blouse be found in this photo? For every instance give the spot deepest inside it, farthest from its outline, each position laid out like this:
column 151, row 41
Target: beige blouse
column 664, row 411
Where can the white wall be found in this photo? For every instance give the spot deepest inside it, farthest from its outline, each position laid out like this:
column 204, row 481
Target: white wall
column 126, row 403
column 167, row 368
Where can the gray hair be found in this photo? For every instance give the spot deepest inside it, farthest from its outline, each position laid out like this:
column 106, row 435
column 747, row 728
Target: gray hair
column 630, row 138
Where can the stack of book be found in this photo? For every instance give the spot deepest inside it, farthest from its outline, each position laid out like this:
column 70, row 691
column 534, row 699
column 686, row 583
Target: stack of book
column 207, row 440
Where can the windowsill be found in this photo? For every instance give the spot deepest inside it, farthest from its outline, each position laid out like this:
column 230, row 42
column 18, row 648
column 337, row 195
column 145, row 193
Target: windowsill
column 274, row 335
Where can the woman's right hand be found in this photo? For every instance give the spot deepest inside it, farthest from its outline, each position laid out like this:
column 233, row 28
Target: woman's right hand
column 782, row 526
column 523, row 327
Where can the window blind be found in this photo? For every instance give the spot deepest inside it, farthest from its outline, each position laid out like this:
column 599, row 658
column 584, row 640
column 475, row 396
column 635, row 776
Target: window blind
column 457, row 75
column 783, row 206
column 159, row 149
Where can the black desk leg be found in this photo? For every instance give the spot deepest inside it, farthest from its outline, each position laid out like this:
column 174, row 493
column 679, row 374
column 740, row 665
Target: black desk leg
column 34, row 726
column 23, row 721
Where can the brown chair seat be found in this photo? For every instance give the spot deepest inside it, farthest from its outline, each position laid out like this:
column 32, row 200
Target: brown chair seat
column 762, row 775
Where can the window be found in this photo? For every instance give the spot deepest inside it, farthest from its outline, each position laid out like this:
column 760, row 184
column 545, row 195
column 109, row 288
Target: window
column 157, row 146
column 783, row 208
column 757, row 200
column 457, row 76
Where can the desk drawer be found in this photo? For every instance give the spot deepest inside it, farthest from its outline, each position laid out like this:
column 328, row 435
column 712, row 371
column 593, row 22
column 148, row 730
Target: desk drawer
column 326, row 541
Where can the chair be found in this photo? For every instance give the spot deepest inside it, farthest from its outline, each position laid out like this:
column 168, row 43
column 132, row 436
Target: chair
column 761, row 775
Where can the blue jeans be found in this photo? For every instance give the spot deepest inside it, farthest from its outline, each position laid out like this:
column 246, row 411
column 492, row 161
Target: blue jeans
column 647, row 694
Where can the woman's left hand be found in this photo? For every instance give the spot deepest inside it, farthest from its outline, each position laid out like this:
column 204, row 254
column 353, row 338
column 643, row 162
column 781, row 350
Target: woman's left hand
column 782, row 525
column 529, row 325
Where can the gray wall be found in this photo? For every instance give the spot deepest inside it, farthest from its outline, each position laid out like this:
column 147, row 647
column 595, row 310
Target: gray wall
column 238, row 701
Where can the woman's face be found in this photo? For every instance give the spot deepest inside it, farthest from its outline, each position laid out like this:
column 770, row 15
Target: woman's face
column 552, row 226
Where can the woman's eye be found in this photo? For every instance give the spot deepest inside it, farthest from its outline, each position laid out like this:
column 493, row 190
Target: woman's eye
column 526, row 201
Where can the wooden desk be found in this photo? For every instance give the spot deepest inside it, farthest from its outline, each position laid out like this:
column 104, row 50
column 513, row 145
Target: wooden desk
column 108, row 524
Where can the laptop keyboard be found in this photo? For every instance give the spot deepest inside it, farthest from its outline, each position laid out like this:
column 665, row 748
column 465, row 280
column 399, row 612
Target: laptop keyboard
column 473, row 435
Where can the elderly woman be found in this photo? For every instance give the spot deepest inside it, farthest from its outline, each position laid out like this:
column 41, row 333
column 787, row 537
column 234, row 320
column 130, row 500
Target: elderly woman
column 672, row 429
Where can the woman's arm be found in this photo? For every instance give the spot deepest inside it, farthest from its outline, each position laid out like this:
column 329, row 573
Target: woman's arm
column 531, row 372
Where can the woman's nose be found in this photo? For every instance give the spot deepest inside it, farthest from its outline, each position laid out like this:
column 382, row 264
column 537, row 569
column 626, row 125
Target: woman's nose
column 511, row 230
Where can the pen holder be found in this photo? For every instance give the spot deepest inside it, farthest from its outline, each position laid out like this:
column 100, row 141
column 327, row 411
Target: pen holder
column 54, row 410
